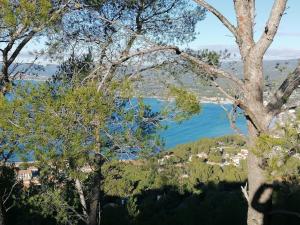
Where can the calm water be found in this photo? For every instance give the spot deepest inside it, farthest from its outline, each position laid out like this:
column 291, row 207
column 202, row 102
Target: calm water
column 210, row 122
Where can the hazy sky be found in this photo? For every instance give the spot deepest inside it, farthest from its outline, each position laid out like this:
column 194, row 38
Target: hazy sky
column 214, row 35
column 212, row 32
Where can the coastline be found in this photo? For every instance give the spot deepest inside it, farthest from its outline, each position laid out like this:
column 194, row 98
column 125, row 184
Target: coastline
column 202, row 100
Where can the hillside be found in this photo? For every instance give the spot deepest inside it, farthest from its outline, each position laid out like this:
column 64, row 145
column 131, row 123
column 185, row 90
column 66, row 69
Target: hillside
column 179, row 187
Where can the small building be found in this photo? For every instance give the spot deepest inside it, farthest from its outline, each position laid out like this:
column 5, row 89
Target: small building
column 28, row 176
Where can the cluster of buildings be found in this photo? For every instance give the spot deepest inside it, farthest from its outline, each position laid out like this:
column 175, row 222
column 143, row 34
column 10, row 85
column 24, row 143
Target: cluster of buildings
column 227, row 159
column 28, row 176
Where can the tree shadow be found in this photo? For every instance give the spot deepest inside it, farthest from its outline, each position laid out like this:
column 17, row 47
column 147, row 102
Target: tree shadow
column 282, row 207
column 221, row 203
column 212, row 204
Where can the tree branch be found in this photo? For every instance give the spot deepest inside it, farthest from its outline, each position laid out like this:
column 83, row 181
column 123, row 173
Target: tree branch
column 232, row 119
column 10, row 192
column 244, row 15
column 283, row 93
column 245, row 192
column 79, row 189
column 219, row 15
column 210, row 69
column 271, row 27
column 20, row 47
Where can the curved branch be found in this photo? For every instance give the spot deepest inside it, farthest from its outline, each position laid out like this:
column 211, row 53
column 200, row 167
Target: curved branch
column 20, row 47
column 210, row 69
column 281, row 96
column 219, row 15
column 204, row 66
column 271, row 27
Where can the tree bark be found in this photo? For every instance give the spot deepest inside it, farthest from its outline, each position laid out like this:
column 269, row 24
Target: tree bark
column 260, row 198
column 94, row 205
column 4, row 76
column 253, row 72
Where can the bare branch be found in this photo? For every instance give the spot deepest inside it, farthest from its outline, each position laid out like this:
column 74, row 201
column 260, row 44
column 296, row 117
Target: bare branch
column 232, row 119
column 271, row 27
column 219, row 15
column 245, row 192
column 211, row 69
column 223, row 91
column 10, row 192
column 207, row 68
column 101, row 84
column 79, row 189
column 20, row 47
column 130, row 76
column 285, row 90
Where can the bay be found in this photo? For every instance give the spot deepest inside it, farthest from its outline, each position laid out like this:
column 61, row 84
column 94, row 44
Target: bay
column 212, row 121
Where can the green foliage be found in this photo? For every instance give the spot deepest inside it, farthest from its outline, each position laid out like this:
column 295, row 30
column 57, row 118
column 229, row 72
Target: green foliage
column 132, row 207
column 24, row 13
column 280, row 153
column 67, row 128
column 186, row 102
column 210, row 57
column 126, row 179
column 51, row 203
column 205, row 145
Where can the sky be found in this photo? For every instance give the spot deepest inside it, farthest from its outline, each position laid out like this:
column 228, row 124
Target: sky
column 214, row 35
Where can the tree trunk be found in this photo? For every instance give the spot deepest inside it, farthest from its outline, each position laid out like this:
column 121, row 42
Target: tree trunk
column 4, row 79
column 94, row 206
column 260, row 194
column 94, row 203
column 259, row 200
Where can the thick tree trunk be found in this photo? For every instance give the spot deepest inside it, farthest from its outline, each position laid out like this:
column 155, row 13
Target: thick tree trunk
column 259, row 201
column 260, row 194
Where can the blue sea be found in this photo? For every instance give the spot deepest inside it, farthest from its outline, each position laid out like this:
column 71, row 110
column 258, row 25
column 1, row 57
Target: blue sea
column 212, row 121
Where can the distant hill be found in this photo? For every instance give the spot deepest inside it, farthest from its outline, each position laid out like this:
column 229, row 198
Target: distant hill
column 233, row 66
column 153, row 82
column 34, row 71
column 269, row 67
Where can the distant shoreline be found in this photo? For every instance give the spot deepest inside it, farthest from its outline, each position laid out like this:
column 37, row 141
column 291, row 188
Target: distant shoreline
column 208, row 100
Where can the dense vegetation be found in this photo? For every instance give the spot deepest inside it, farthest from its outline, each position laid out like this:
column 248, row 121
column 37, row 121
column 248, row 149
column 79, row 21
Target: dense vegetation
column 177, row 191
